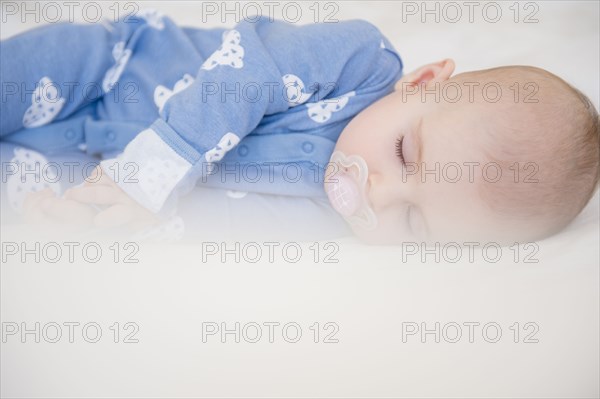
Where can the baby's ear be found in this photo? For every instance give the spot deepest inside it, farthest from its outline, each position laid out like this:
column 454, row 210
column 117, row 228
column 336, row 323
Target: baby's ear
column 428, row 74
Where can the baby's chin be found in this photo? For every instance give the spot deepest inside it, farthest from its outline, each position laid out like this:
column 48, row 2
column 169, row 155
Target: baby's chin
column 380, row 236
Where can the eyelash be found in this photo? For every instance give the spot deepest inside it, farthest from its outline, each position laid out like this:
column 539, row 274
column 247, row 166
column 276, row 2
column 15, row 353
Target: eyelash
column 399, row 151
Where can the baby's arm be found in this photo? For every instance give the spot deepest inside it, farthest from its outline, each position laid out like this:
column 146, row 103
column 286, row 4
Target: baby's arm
column 197, row 128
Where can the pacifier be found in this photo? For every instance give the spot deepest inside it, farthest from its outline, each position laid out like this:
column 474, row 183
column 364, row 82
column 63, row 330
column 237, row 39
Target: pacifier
column 345, row 185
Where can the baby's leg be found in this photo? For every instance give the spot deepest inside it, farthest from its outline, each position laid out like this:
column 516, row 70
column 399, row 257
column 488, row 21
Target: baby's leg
column 51, row 72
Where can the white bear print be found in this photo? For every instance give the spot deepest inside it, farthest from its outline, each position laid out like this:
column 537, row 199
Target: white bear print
column 294, row 90
column 121, row 56
column 230, row 53
column 321, row 111
column 162, row 94
column 234, row 194
column 382, row 44
column 153, row 18
column 32, row 174
column 227, row 142
column 45, row 104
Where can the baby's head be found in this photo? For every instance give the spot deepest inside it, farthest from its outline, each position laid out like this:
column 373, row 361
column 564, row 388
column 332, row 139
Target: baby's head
column 506, row 154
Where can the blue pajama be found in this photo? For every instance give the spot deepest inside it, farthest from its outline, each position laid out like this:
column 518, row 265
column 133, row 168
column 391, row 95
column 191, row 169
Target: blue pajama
column 256, row 108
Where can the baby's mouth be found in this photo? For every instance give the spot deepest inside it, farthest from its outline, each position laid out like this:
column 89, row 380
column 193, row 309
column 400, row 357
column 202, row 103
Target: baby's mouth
column 345, row 185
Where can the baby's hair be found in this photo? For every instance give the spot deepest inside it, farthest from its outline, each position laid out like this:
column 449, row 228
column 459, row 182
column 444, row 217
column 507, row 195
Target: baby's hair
column 554, row 141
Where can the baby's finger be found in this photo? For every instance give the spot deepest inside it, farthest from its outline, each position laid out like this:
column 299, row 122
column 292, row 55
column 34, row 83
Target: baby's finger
column 100, row 195
column 32, row 200
column 115, row 216
column 67, row 211
column 98, row 177
column 32, row 210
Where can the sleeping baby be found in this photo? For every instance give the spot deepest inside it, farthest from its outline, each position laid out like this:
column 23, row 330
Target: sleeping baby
column 506, row 154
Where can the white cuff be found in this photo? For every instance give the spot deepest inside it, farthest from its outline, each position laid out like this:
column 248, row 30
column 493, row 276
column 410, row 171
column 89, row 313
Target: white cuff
column 148, row 170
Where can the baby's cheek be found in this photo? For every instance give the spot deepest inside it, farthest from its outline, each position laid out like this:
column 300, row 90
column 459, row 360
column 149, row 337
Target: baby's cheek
column 357, row 134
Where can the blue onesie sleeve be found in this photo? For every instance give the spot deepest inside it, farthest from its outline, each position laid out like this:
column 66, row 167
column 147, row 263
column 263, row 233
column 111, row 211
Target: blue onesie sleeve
column 276, row 66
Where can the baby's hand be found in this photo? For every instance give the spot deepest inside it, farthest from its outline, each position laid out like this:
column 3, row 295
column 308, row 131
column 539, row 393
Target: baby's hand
column 120, row 209
column 44, row 207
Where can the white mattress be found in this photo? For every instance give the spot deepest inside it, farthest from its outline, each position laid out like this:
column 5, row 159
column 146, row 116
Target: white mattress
column 371, row 294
